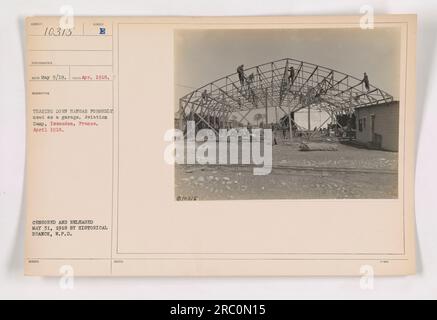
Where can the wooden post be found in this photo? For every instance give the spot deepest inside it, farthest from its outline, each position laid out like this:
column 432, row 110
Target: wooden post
column 309, row 118
column 276, row 112
column 267, row 116
column 289, row 123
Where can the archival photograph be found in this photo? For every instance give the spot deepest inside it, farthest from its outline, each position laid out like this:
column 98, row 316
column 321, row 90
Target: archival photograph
column 286, row 113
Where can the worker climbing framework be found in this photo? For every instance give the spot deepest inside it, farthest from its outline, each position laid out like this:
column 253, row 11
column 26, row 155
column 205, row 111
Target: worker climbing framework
column 288, row 85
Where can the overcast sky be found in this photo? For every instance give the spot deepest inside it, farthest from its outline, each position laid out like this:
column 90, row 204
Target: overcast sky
column 202, row 56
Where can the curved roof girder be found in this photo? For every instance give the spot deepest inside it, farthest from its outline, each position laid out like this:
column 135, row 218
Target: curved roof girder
column 271, row 85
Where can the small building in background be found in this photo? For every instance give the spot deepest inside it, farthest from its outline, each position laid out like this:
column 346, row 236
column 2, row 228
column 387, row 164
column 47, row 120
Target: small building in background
column 378, row 125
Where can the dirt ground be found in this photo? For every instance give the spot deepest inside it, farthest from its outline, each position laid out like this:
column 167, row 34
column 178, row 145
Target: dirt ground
column 347, row 173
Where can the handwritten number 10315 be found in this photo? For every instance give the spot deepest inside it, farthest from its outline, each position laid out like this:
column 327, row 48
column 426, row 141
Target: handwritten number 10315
column 57, row 32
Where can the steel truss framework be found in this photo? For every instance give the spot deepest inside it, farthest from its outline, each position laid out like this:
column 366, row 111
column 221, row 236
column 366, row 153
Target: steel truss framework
column 273, row 84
